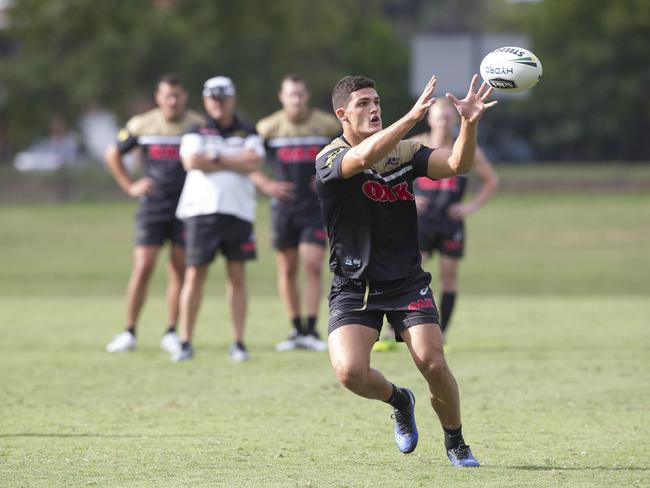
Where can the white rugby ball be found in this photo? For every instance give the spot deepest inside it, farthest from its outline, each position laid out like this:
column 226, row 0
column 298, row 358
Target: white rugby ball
column 511, row 69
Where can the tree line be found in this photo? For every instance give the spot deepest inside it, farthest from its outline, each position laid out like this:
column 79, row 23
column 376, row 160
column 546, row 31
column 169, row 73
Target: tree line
column 64, row 55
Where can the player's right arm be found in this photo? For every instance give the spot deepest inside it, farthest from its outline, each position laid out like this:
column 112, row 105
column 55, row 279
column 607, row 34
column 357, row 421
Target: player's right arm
column 126, row 142
column 282, row 190
column 376, row 147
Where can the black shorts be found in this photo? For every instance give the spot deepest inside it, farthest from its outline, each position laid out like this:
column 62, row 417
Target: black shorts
column 405, row 303
column 291, row 229
column 207, row 234
column 156, row 233
column 448, row 239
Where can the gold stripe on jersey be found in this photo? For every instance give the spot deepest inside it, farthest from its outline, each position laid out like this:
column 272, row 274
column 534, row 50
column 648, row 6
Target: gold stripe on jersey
column 318, row 123
column 153, row 122
column 401, row 155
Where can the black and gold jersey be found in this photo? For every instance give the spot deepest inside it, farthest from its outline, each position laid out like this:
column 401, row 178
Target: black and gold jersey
column 160, row 141
column 371, row 217
column 292, row 150
column 441, row 194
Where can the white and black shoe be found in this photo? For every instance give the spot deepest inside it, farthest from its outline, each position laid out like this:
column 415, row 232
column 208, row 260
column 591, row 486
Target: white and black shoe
column 183, row 353
column 122, row 342
column 170, row 342
column 313, row 342
column 238, row 352
column 294, row 341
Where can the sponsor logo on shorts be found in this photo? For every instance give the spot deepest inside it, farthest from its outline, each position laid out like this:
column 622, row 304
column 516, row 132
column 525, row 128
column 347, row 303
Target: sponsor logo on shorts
column 247, row 247
column 320, row 235
column 335, row 312
column 452, row 245
column 421, row 303
column 424, row 291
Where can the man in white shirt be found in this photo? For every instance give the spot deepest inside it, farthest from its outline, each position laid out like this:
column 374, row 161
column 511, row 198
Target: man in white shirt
column 218, row 207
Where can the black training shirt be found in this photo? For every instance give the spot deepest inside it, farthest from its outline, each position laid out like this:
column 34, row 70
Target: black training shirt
column 371, row 217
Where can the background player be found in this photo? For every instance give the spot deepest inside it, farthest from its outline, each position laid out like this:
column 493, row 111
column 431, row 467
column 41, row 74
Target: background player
column 364, row 182
column 158, row 133
column 218, row 203
column 293, row 136
column 441, row 210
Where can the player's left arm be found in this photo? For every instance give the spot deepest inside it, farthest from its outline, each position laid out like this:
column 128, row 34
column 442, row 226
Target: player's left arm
column 244, row 162
column 195, row 156
column 444, row 163
column 489, row 185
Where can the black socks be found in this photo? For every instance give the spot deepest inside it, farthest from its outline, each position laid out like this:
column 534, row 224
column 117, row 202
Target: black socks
column 446, row 308
column 453, row 437
column 297, row 325
column 170, row 328
column 131, row 329
column 310, row 326
column 399, row 399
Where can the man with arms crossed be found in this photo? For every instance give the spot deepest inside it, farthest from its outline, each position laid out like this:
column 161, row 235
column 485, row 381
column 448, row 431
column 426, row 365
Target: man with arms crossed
column 158, row 133
column 293, row 137
column 218, row 206
column 365, row 186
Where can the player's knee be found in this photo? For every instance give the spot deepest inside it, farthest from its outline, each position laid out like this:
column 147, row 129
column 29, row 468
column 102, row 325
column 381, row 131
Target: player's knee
column 448, row 285
column 313, row 268
column 434, row 368
column 351, row 376
column 144, row 267
column 237, row 282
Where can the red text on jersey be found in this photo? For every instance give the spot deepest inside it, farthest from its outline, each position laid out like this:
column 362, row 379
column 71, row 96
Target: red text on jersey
column 384, row 193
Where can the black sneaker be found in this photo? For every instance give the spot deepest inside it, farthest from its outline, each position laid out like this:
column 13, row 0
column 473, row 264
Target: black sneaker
column 406, row 431
column 462, row 457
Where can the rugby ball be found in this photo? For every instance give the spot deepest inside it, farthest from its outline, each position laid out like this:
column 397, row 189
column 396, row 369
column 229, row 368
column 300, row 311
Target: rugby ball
column 511, row 69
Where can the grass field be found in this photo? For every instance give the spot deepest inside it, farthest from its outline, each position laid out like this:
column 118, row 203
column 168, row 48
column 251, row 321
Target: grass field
column 550, row 345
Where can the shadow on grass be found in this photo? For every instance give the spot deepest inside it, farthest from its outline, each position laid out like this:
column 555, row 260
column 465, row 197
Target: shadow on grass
column 579, row 468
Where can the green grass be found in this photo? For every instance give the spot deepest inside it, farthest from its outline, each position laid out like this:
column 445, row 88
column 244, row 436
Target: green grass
column 550, row 345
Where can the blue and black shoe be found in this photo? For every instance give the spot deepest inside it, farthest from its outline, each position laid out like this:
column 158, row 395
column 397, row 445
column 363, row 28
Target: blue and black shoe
column 406, row 431
column 462, row 457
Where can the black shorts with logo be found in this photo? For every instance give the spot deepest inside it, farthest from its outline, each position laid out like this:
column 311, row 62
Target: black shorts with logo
column 156, row 233
column 447, row 238
column 207, row 234
column 405, row 302
column 291, row 229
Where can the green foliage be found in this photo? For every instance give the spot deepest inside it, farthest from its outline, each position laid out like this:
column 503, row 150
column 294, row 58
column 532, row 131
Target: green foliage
column 73, row 52
column 591, row 102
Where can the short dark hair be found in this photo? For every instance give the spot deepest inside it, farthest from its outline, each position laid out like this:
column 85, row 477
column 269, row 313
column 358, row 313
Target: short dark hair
column 346, row 86
column 294, row 77
column 171, row 79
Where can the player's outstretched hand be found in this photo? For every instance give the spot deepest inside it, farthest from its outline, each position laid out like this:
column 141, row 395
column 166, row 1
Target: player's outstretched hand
column 425, row 101
column 475, row 103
